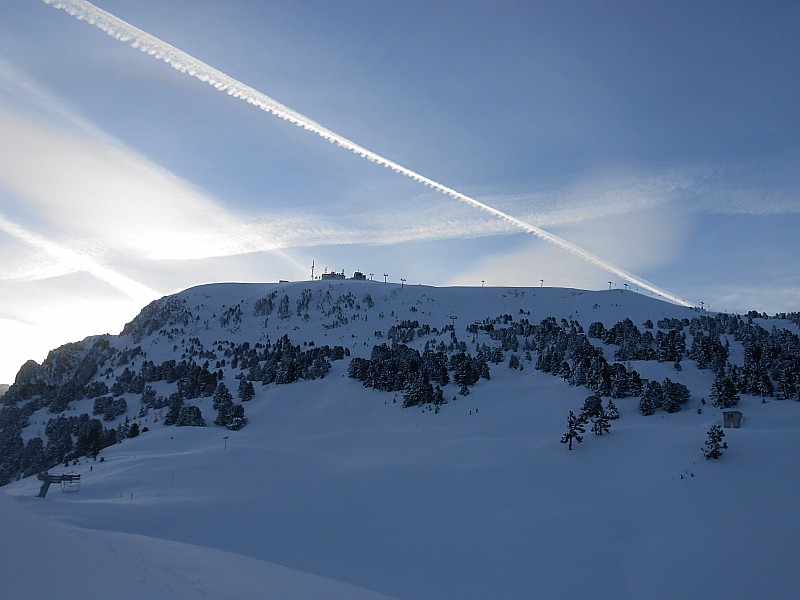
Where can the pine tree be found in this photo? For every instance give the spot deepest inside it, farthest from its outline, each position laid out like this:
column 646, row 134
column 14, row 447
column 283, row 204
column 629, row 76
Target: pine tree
column 237, row 420
column 600, row 423
column 174, row 413
column 592, row 407
column 221, row 396
column 652, row 398
column 191, row 417
column 574, row 430
column 225, row 411
column 675, row 395
column 246, row 390
column 713, row 447
column 723, row 393
column 612, row 412
column 418, row 391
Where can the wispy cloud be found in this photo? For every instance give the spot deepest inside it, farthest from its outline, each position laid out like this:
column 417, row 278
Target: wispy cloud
column 95, row 190
column 73, row 261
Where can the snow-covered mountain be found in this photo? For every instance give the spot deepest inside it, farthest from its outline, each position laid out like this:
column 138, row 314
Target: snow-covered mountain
column 405, row 440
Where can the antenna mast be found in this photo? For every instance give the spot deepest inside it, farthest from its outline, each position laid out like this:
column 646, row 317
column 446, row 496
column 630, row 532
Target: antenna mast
column 312, row 270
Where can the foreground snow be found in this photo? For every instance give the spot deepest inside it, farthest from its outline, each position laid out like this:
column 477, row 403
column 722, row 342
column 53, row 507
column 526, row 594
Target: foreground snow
column 40, row 558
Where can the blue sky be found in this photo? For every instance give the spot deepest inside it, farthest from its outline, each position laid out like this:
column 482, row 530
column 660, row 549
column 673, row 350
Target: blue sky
column 662, row 137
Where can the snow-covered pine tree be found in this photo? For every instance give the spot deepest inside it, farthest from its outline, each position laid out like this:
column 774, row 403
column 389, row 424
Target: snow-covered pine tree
column 419, row 391
column 714, row 444
column 574, row 430
column 237, row 420
column 174, row 413
column 221, row 394
column 246, row 390
column 723, row 393
column 225, row 411
column 600, row 423
column 612, row 412
column 652, row 398
column 191, row 417
column 675, row 395
column 592, row 407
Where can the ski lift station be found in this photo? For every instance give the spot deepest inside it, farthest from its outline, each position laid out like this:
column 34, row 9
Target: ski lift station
column 70, row 482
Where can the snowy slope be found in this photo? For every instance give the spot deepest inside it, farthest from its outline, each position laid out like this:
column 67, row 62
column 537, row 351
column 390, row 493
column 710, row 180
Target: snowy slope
column 478, row 501
column 40, row 558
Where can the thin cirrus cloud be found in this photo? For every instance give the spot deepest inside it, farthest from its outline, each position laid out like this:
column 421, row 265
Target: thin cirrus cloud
column 84, row 185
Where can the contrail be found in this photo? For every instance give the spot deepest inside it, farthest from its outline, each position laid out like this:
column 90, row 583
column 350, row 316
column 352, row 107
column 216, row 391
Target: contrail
column 183, row 62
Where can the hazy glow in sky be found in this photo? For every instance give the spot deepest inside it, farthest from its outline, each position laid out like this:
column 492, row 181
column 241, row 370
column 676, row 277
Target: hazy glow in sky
column 663, row 139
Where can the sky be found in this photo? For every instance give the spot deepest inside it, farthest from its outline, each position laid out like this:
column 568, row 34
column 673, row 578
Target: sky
column 663, row 138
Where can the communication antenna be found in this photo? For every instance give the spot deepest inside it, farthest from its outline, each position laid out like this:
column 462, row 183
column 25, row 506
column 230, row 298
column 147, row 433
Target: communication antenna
column 312, row 270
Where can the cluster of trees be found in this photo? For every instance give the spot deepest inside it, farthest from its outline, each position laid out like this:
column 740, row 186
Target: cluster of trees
column 109, row 407
column 279, row 362
column 231, row 317
column 229, row 414
column 565, row 350
column 67, row 438
column 400, row 368
column 633, row 344
column 395, row 368
column 182, row 415
column 709, row 352
column 326, row 305
column 594, row 411
column 283, row 362
column 771, row 363
column 771, row 360
column 192, row 380
column 664, row 346
column 668, row 395
column 406, row 331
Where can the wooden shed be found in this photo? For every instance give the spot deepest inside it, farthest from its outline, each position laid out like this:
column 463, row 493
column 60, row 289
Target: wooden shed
column 731, row 419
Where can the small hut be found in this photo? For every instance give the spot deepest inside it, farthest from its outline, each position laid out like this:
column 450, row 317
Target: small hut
column 732, row 419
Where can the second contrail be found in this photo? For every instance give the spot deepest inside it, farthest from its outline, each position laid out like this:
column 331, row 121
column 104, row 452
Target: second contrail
column 185, row 63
